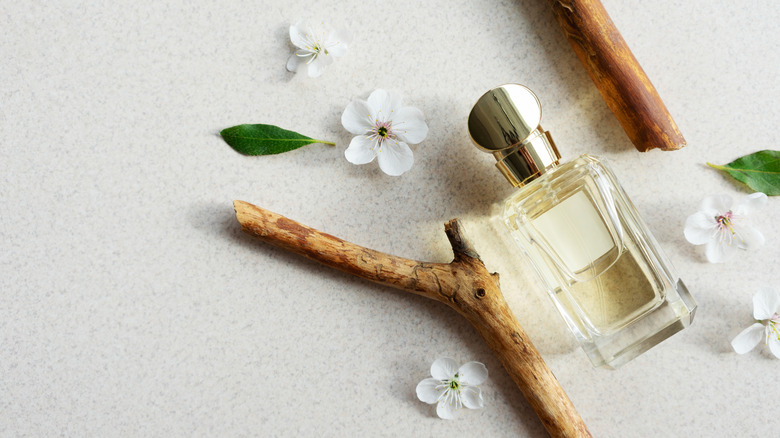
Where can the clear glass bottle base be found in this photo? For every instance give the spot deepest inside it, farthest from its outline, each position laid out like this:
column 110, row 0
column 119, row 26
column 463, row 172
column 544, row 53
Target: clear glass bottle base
column 674, row 314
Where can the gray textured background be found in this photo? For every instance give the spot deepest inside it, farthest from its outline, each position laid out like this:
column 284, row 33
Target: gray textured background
column 132, row 305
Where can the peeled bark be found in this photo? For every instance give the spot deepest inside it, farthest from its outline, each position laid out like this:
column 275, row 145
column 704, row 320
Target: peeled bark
column 617, row 74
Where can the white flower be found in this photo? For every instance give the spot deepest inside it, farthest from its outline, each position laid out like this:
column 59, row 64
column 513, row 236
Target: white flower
column 452, row 387
column 384, row 130
column 316, row 47
column 766, row 309
column 723, row 228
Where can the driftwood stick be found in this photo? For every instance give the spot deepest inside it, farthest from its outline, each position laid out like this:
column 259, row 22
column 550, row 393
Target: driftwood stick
column 617, row 74
column 464, row 284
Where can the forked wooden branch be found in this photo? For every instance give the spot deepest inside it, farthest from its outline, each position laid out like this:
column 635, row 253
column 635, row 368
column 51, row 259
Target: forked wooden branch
column 463, row 284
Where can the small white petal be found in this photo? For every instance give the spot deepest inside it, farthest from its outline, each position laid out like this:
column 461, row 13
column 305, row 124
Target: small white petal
column 376, row 98
column 317, row 66
column 395, row 157
column 361, row 150
column 719, row 252
column 700, row 228
column 341, row 36
column 298, row 34
column 427, row 392
column 444, row 368
column 409, row 125
column 383, row 104
column 720, row 203
column 471, row 396
column 774, row 346
column 338, row 42
column 446, row 408
column 357, row 117
column 294, row 62
column 749, row 238
column 750, row 203
column 337, row 50
column 766, row 302
column 472, row 373
column 748, row 338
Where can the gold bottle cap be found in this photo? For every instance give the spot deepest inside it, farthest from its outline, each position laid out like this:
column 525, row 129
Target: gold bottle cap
column 505, row 122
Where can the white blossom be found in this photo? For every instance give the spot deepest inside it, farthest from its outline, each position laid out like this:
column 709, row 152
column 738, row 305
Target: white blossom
column 316, row 47
column 766, row 311
column 724, row 228
column 384, row 129
column 453, row 388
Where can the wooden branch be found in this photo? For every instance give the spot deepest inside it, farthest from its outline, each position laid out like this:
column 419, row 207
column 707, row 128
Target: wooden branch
column 464, row 284
column 617, row 74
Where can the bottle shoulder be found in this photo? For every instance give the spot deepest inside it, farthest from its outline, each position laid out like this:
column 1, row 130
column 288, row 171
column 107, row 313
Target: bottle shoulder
column 561, row 182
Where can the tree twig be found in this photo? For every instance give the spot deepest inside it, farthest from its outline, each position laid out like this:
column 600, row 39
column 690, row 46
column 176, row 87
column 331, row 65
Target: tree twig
column 464, row 284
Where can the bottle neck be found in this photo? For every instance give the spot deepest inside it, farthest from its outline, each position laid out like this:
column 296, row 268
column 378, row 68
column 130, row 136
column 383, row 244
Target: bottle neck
column 528, row 160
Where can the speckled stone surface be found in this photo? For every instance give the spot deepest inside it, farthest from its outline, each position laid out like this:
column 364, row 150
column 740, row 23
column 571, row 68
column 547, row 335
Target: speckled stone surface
column 132, row 305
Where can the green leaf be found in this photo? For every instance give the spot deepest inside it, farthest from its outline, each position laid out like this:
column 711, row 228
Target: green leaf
column 262, row 139
column 760, row 171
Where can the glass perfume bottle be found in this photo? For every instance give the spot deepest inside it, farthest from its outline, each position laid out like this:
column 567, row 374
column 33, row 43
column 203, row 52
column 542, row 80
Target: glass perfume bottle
column 601, row 266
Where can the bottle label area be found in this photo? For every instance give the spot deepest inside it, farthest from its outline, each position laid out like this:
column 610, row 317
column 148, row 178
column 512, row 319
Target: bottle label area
column 575, row 232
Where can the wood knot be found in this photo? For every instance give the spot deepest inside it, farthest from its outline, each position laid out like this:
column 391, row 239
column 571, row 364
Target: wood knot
column 480, row 293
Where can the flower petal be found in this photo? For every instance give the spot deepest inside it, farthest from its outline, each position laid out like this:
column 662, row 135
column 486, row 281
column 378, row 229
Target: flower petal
column 444, row 368
column 750, row 203
column 357, row 117
column 383, row 104
column 718, row 251
column 748, row 338
column 473, row 373
column 409, row 125
column 395, row 157
column 774, row 347
column 446, row 408
column 749, row 237
column 377, row 97
column 361, row 150
column 700, row 228
column 720, row 203
column 427, row 391
column 338, row 42
column 298, row 33
column 317, row 66
column 294, row 62
column 766, row 302
column 471, row 396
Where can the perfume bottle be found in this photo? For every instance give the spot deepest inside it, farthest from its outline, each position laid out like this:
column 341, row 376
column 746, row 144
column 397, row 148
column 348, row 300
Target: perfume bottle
column 600, row 265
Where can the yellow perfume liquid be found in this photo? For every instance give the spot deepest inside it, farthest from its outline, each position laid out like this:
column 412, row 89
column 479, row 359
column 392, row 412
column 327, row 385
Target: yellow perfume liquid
column 616, row 297
column 577, row 232
column 600, row 264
